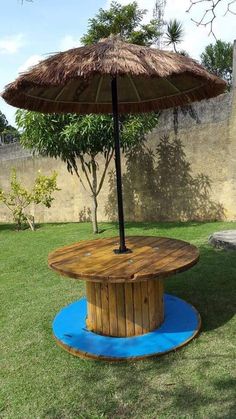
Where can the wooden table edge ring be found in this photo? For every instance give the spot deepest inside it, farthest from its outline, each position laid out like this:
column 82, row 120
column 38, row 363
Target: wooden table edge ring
column 125, row 304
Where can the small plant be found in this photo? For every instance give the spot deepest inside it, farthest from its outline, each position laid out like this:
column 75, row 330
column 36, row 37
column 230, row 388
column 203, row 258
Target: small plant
column 18, row 199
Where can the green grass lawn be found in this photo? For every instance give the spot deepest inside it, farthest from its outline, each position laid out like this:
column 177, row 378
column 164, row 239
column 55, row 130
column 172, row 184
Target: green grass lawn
column 40, row 380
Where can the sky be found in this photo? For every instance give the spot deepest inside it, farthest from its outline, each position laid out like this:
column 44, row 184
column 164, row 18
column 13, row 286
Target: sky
column 31, row 31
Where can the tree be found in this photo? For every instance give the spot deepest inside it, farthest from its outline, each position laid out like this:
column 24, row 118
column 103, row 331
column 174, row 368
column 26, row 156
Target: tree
column 125, row 21
column 8, row 133
column 18, row 199
column 218, row 59
column 72, row 138
column 84, row 138
column 174, row 33
column 3, row 122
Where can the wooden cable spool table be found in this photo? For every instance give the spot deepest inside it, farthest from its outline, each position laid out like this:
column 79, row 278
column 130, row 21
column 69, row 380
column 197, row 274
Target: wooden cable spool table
column 125, row 302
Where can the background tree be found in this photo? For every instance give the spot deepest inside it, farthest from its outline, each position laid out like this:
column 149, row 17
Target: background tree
column 7, row 132
column 3, row 122
column 74, row 138
column 218, row 59
column 125, row 21
column 174, row 33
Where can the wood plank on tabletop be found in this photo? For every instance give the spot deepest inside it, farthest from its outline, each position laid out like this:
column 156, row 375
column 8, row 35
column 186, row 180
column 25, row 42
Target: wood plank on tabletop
column 144, row 258
column 172, row 260
column 90, row 266
column 78, row 247
column 126, row 267
column 86, row 253
column 105, row 266
column 184, row 262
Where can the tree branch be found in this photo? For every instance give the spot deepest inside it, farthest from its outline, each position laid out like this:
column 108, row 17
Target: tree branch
column 107, row 162
column 78, row 175
column 94, row 175
column 228, row 10
column 85, row 172
column 209, row 16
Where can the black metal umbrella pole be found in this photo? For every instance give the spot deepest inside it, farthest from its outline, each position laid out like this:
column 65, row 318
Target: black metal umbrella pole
column 122, row 248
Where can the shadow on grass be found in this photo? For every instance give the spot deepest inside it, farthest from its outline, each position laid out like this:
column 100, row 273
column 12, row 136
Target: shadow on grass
column 209, row 286
column 103, row 227
column 108, row 226
column 152, row 388
column 7, row 227
column 159, row 225
column 13, row 227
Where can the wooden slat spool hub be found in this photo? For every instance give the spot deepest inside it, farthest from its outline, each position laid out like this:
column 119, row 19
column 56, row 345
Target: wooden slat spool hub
column 126, row 309
column 124, row 292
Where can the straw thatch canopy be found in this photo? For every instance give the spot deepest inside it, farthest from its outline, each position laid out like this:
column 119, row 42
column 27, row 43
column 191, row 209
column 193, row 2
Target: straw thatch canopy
column 79, row 80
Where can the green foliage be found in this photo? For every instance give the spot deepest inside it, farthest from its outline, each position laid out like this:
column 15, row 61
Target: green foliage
column 218, row 58
column 64, row 136
column 3, row 122
column 134, row 128
column 11, row 130
column 18, row 199
column 174, row 33
column 7, row 130
column 124, row 20
column 72, row 136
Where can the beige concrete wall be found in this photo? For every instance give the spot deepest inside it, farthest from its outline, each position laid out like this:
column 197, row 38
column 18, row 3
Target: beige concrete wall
column 231, row 191
column 210, row 145
column 207, row 132
column 72, row 202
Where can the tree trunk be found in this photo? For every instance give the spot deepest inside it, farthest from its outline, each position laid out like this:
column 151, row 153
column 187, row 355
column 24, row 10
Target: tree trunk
column 31, row 223
column 94, row 187
column 94, row 214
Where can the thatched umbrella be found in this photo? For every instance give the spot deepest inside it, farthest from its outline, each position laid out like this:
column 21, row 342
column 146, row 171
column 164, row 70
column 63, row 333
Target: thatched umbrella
column 112, row 76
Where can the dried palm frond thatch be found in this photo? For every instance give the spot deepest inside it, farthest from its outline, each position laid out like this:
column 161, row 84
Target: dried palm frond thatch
column 79, row 80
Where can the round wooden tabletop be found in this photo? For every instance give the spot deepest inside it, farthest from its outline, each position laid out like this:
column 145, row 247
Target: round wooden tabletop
column 151, row 258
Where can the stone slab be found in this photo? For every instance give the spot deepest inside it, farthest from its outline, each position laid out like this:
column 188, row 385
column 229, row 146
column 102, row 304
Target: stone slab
column 224, row 240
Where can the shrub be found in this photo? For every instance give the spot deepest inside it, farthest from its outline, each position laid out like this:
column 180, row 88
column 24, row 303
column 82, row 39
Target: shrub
column 18, row 199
